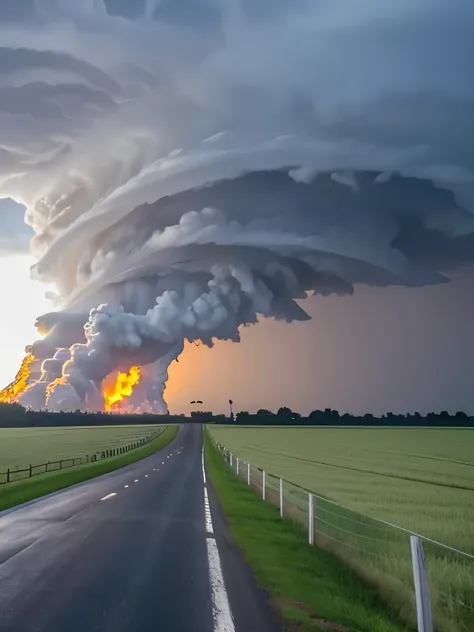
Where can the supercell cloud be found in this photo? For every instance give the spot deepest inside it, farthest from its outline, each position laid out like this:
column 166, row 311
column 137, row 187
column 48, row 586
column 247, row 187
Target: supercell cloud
column 206, row 163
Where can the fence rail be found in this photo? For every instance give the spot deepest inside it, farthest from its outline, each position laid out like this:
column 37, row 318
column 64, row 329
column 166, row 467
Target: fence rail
column 430, row 583
column 13, row 475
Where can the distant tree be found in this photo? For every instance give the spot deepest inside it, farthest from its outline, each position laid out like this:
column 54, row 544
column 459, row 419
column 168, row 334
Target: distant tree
column 296, row 416
column 264, row 411
column 242, row 416
column 444, row 413
column 285, row 413
column 460, row 415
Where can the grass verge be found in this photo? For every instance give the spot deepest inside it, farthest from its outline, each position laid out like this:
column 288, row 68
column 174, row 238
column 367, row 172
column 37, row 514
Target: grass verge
column 13, row 494
column 310, row 588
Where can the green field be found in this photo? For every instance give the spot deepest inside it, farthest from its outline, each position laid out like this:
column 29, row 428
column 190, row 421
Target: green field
column 420, row 479
column 25, row 489
column 20, row 447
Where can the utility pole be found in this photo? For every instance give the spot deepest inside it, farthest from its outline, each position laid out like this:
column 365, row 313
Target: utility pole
column 231, row 413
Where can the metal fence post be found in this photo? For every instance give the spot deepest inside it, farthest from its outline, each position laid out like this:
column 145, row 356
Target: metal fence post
column 237, row 459
column 31, row 470
column 8, row 475
column 264, row 480
column 422, row 591
column 311, row 519
column 281, row 498
column 248, row 473
column 230, row 458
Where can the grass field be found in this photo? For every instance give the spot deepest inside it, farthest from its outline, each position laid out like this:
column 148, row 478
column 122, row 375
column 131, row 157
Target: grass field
column 28, row 489
column 310, row 588
column 420, row 479
column 21, row 446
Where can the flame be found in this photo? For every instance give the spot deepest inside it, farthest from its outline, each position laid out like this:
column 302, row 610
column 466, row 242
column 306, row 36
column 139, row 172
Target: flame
column 52, row 385
column 9, row 394
column 121, row 389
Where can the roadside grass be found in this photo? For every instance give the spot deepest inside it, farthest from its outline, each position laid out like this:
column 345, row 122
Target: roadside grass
column 19, row 492
column 311, row 589
column 361, row 476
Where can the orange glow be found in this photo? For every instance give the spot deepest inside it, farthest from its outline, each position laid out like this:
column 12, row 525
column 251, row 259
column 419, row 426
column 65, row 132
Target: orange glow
column 15, row 388
column 117, row 391
column 51, row 385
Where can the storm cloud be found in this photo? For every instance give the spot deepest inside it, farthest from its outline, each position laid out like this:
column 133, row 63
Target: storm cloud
column 189, row 171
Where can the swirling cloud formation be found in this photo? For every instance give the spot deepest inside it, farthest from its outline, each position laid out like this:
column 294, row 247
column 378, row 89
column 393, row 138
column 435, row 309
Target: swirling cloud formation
column 207, row 162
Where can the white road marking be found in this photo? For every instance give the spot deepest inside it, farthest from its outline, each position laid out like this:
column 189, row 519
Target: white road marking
column 162, row 462
column 223, row 621
column 125, row 486
column 146, row 475
column 109, row 496
column 136, row 480
column 203, row 468
column 207, row 513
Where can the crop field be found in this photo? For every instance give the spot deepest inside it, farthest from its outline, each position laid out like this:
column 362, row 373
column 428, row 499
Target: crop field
column 418, row 479
column 20, row 447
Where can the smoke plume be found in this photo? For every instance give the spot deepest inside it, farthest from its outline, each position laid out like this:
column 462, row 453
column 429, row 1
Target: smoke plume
column 207, row 163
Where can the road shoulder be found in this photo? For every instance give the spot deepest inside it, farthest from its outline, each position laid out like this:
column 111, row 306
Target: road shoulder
column 250, row 604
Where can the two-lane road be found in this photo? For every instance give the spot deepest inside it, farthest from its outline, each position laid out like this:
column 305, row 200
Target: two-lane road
column 133, row 550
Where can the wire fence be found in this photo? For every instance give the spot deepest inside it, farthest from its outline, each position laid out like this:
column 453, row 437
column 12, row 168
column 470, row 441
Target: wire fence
column 427, row 584
column 13, row 475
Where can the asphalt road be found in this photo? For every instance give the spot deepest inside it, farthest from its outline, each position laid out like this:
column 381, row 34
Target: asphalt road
column 138, row 550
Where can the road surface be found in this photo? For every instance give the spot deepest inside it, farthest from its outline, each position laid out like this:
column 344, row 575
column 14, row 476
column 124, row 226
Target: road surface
column 144, row 548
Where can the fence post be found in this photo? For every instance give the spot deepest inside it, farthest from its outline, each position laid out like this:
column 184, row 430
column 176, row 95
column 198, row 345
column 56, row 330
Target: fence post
column 230, row 459
column 8, row 475
column 237, row 463
column 60, row 464
column 264, row 480
column 281, row 498
column 248, row 473
column 422, row 591
column 311, row 519
column 31, row 470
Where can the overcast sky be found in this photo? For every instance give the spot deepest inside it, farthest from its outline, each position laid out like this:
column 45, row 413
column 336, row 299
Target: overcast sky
column 367, row 115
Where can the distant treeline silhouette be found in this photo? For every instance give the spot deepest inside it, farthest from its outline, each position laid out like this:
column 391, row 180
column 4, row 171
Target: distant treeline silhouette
column 329, row 417
column 15, row 416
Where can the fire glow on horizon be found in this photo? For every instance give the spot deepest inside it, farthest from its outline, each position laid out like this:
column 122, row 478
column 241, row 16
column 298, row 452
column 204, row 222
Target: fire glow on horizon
column 117, row 390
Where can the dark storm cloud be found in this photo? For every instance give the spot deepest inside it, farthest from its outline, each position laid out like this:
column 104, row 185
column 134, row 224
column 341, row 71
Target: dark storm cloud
column 205, row 163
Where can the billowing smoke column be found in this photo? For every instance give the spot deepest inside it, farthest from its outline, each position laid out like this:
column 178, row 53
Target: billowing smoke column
column 210, row 162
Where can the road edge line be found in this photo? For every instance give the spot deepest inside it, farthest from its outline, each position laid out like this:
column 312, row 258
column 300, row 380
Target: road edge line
column 223, row 620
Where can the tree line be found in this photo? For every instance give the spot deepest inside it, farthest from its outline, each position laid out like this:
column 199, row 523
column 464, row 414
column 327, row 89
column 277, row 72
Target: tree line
column 15, row 416
column 330, row 417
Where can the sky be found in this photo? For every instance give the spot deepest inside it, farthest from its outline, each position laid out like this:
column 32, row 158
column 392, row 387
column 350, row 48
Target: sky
column 199, row 167
column 380, row 350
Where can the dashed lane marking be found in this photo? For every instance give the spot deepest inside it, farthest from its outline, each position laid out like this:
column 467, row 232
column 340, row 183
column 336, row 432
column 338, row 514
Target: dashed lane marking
column 109, row 496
